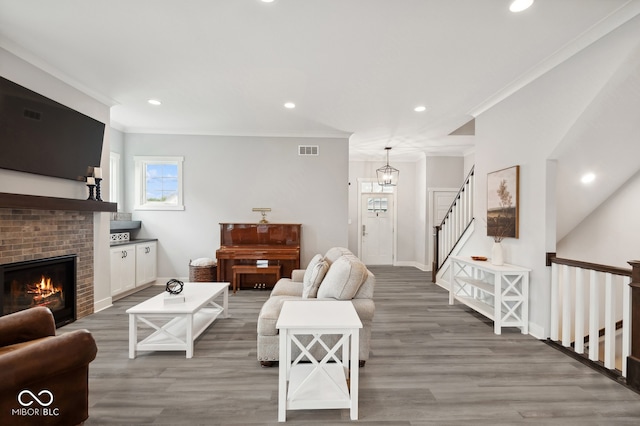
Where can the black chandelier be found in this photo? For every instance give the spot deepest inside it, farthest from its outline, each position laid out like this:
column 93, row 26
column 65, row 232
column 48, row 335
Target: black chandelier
column 387, row 175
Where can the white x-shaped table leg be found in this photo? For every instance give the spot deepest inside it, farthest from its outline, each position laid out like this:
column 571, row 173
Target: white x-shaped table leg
column 318, row 366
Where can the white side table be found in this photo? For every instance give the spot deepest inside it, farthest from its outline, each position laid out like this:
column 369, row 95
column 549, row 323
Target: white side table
column 319, row 384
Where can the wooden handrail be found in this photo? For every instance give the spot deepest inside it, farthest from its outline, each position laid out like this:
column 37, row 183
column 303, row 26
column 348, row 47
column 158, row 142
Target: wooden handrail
column 592, row 266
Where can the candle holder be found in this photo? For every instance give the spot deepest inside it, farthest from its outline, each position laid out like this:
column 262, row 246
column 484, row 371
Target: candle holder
column 91, row 197
column 98, row 197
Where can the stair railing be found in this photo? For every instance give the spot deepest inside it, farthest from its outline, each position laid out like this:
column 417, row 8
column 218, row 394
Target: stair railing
column 591, row 311
column 458, row 218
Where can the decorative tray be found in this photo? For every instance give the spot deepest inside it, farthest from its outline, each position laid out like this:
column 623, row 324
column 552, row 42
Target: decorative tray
column 481, row 258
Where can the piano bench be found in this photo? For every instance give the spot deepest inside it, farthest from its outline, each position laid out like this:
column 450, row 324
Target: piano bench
column 239, row 270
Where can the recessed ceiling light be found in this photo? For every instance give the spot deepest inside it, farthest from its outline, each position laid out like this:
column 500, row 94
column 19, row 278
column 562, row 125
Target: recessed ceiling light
column 154, row 102
column 588, row 178
column 520, row 5
column 420, row 108
column 267, row 1
column 290, row 105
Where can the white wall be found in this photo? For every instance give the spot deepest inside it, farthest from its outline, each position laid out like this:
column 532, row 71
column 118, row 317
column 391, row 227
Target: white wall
column 407, row 201
column 609, row 235
column 25, row 74
column 524, row 130
column 469, row 161
column 225, row 177
column 423, row 233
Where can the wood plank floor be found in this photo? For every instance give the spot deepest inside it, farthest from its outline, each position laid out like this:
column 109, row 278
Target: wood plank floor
column 431, row 364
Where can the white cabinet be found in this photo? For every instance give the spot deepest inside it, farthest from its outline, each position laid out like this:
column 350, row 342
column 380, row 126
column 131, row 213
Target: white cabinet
column 501, row 293
column 133, row 265
column 123, row 268
column 146, row 262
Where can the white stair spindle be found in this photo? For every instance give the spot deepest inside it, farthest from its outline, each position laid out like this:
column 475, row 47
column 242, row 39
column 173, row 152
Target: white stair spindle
column 594, row 316
column 566, row 306
column 579, row 319
column 555, row 305
column 609, row 323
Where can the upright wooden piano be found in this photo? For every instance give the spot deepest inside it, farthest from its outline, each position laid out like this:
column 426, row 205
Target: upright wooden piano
column 247, row 243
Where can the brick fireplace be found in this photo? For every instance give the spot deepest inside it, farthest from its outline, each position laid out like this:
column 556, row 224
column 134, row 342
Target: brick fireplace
column 29, row 234
column 48, row 282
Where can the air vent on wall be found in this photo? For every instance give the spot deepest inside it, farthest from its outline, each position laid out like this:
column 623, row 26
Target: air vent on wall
column 308, row 149
column 34, row 115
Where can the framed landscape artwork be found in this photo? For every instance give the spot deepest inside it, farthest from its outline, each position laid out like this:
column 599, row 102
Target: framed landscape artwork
column 503, row 203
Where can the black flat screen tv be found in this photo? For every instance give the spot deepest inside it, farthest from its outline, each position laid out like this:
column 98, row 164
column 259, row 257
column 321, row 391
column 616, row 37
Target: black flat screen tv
column 39, row 135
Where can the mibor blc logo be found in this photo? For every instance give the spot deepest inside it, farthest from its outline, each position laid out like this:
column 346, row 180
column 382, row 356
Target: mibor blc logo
column 35, row 404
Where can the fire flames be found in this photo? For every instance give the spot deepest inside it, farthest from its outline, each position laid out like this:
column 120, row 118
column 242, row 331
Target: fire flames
column 45, row 293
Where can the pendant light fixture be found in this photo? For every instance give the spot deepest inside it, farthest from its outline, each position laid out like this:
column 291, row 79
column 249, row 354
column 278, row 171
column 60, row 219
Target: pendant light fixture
column 387, row 175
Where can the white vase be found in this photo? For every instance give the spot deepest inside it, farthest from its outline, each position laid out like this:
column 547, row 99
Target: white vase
column 496, row 254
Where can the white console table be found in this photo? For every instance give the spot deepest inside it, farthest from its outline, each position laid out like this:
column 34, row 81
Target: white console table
column 501, row 293
column 331, row 382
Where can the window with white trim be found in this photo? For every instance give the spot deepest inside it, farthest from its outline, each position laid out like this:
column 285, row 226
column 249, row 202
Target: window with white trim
column 158, row 183
column 114, row 178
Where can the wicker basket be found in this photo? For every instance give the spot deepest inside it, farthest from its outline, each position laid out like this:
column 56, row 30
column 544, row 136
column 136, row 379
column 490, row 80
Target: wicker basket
column 202, row 273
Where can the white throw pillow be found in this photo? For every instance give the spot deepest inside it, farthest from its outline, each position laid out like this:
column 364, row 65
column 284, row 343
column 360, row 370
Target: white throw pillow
column 310, row 287
column 312, row 263
column 343, row 279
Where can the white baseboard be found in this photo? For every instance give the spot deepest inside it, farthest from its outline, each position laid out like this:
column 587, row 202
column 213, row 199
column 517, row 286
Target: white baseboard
column 443, row 275
column 537, row 331
column 443, row 284
column 103, row 304
column 418, row 265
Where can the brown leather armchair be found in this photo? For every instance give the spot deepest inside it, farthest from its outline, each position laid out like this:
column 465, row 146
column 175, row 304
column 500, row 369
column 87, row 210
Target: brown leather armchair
column 44, row 378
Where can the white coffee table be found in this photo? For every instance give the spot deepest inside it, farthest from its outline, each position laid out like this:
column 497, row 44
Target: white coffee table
column 177, row 325
column 319, row 384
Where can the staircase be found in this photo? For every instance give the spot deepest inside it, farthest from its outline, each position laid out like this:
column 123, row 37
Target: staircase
column 456, row 227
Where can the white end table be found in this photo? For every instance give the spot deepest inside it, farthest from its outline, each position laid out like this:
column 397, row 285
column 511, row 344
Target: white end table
column 177, row 325
column 319, row 384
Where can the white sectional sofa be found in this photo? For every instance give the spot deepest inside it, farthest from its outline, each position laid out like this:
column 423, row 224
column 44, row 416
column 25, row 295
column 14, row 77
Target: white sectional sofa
column 338, row 275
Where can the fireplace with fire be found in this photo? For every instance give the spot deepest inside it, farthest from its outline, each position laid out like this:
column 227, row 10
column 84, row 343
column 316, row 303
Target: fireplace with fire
column 47, row 282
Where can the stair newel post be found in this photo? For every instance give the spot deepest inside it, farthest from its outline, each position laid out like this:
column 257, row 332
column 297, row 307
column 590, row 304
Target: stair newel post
column 633, row 361
column 435, row 264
